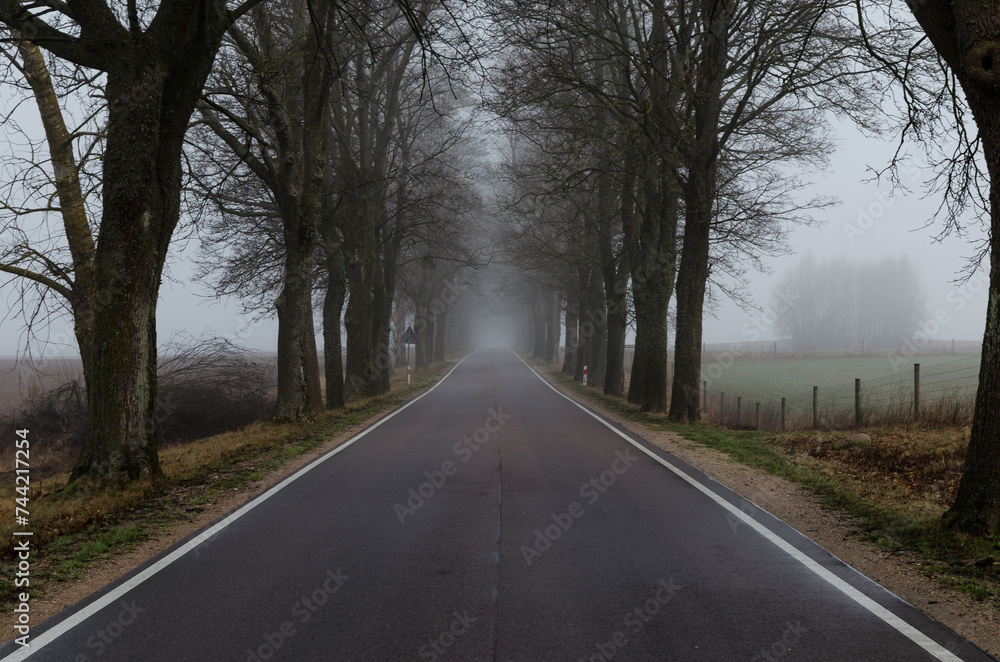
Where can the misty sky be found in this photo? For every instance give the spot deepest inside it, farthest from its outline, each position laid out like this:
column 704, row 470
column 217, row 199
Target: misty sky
column 187, row 306
column 896, row 232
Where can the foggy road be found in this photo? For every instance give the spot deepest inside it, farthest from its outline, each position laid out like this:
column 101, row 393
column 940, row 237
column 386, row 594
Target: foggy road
column 493, row 518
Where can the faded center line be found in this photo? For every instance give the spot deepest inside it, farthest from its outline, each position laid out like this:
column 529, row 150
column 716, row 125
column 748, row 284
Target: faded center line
column 495, row 622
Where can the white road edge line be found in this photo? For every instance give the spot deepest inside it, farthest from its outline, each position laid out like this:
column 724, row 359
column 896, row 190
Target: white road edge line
column 69, row 623
column 904, row 628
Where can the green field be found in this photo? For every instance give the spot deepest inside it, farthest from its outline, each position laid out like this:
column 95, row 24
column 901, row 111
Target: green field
column 884, row 380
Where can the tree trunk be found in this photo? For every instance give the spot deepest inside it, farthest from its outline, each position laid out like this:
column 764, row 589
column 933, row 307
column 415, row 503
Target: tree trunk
column 141, row 207
column 614, row 378
column 614, row 270
column 121, row 440
column 692, row 279
column 585, row 335
column 967, row 36
column 653, row 264
column 423, row 326
column 400, row 323
column 360, row 324
column 538, row 324
column 648, row 386
column 299, row 393
column 440, row 336
column 382, row 308
column 977, row 503
column 572, row 337
column 148, row 112
column 72, row 206
column 333, row 307
column 597, row 316
column 553, row 302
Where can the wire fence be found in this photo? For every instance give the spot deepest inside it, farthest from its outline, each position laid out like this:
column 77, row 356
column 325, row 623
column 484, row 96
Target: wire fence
column 940, row 393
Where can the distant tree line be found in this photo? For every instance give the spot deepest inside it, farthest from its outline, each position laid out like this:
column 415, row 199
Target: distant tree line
column 851, row 305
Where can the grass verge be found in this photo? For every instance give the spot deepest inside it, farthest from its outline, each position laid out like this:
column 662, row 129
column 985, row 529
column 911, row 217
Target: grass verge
column 896, row 489
column 72, row 529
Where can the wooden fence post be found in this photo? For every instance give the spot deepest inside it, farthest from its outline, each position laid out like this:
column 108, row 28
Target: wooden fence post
column 815, row 407
column 857, row 402
column 782, row 414
column 916, row 391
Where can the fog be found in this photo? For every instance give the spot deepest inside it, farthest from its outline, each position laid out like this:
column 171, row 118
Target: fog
column 871, row 221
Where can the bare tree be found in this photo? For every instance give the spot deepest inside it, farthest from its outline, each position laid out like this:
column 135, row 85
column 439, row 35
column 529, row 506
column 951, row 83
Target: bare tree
column 266, row 105
column 966, row 36
column 71, row 278
column 156, row 59
column 744, row 64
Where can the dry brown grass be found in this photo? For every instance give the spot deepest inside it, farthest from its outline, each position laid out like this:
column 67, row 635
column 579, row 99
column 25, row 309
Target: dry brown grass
column 914, row 467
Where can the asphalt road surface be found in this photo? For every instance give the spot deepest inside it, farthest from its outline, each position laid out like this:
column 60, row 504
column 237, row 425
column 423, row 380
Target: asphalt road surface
column 494, row 519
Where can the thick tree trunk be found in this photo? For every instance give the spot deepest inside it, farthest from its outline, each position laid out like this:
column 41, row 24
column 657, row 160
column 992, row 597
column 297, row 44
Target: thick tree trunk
column 614, row 270
column 585, row 335
column 617, row 320
column 333, row 347
column 552, row 328
column 141, row 196
column 359, row 320
column 692, row 279
column 382, row 308
column 141, row 207
column 977, row 504
column 653, row 265
column 121, row 440
column 538, row 324
column 400, row 324
column 572, row 337
column 967, row 36
column 299, row 393
column 597, row 316
column 648, row 386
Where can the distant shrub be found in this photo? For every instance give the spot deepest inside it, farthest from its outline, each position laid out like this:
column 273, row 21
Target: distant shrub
column 209, row 385
column 205, row 386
